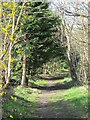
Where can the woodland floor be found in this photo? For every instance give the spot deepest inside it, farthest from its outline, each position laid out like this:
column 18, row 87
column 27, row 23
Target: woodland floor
column 58, row 108
column 44, row 109
column 49, row 97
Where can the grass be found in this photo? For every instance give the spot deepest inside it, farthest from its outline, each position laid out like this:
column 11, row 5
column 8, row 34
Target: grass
column 63, row 81
column 26, row 102
column 76, row 97
column 38, row 82
column 24, row 106
column 27, row 98
column 64, row 70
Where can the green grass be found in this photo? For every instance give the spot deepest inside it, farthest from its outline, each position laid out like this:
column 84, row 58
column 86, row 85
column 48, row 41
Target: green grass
column 76, row 97
column 26, row 100
column 25, row 104
column 38, row 82
column 64, row 70
column 63, row 81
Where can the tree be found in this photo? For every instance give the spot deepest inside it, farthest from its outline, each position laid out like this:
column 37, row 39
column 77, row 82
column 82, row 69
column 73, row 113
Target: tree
column 36, row 38
column 74, row 20
column 8, row 29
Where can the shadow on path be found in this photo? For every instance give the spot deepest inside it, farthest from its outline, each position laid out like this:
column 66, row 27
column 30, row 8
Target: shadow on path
column 55, row 86
column 57, row 109
column 54, row 77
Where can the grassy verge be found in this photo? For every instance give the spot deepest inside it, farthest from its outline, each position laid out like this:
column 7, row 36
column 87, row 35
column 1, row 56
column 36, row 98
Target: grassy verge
column 38, row 83
column 19, row 103
column 63, row 81
column 76, row 97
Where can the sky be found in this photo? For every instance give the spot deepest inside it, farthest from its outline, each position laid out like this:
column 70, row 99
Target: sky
column 50, row 0
column 71, row 0
column 69, row 7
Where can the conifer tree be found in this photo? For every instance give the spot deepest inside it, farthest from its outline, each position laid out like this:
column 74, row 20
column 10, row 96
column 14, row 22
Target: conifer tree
column 36, row 42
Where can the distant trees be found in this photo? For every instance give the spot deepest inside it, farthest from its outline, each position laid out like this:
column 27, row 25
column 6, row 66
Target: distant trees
column 74, row 17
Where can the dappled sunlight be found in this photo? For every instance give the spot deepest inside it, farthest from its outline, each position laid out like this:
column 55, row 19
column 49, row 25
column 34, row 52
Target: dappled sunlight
column 24, row 104
column 63, row 81
column 37, row 82
column 43, row 59
column 76, row 98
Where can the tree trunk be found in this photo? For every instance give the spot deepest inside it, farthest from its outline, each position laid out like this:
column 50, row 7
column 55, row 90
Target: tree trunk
column 10, row 50
column 89, row 45
column 72, row 71
column 9, row 65
column 23, row 82
column 0, row 42
column 71, row 65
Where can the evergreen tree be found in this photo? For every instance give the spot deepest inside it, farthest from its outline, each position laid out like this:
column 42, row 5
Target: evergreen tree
column 36, row 38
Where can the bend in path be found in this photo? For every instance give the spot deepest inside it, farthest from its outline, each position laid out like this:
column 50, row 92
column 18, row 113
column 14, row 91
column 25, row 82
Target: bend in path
column 62, row 110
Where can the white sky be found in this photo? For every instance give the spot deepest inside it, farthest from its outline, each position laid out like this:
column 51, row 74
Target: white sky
column 71, row 0
column 69, row 19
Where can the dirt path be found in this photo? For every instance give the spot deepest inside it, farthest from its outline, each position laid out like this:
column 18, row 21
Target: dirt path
column 62, row 109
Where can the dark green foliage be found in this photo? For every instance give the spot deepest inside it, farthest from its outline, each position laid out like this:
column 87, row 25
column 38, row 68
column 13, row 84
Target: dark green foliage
column 37, row 37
